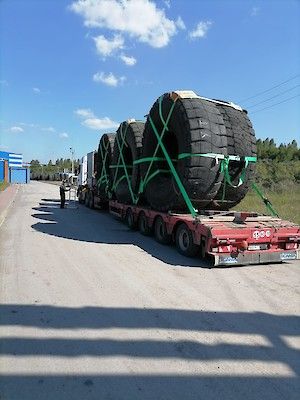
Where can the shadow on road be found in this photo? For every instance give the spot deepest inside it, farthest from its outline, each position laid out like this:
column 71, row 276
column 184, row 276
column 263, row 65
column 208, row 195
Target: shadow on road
column 93, row 226
column 157, row 386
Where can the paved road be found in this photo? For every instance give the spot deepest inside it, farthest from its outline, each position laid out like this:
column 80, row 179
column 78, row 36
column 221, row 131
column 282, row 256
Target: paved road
column 91, row 310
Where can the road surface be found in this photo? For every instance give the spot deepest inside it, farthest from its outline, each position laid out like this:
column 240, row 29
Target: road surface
column 91, row 310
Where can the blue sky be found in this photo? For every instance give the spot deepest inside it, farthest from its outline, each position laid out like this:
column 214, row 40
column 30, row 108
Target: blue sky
column 72, row 70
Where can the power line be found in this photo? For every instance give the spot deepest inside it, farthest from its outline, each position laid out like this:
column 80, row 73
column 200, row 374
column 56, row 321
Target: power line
column 275, row 104
column 269, row 90
column 273, row 97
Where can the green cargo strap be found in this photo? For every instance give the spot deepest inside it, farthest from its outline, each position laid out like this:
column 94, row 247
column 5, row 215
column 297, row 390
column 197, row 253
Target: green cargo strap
column 224, row 164
column 120, row 166
column 225, row 160
column 149, row 159
column 160, row 144
column 266, row 201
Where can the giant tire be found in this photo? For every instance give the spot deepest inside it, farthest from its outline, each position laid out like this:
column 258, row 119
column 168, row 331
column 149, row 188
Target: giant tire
column 106, row 145
column 195, row 126
column 132, row 133
column 240, row 142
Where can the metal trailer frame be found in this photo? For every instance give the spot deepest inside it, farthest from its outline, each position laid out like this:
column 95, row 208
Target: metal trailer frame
column 227, row 238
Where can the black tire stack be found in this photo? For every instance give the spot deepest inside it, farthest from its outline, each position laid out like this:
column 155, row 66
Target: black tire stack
column 196, row 126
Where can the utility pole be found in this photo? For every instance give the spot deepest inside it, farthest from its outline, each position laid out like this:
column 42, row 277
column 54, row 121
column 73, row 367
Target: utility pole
column 72, row 154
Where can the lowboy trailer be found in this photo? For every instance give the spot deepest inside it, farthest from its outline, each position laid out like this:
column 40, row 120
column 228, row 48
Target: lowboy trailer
column 224, row 237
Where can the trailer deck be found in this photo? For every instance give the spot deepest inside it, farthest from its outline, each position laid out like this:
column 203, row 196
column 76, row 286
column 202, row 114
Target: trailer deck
column 228, row 238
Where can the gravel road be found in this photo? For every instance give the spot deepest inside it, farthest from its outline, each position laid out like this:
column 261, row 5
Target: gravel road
column 91, row 310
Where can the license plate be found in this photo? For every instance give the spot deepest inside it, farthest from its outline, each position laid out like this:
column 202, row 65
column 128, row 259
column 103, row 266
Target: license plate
column 230, row 260
column 288, row 256
column 254, row 247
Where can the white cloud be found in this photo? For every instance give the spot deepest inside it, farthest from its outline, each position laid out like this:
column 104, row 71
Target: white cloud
column 16, row 129
column 128, row 60
column 63, row 135
column 201, row 29
column 140, row 19
column 106, row 47
column 180, row 24
column 108, row 79
column 49, row 129
column 37, row 126
column 254, row 11
column 167, row 3
column 36, row 90
column 91, row 121
column 84, row 112
column 100, row 123
column 27, row 125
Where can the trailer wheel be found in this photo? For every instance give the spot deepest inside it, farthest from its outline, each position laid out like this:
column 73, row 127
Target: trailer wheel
column 87, row 199
column 144, row 228
column 91, row 200
column 160, row 231
column 129, row 218
column 184, row 241
column 81, row 198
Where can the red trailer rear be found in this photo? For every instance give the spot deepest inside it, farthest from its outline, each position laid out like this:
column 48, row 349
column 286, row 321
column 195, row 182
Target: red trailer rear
column 228, row 238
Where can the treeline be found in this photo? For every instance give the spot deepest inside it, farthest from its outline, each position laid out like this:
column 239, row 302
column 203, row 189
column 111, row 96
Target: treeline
column 59, row 166
column 278, row 167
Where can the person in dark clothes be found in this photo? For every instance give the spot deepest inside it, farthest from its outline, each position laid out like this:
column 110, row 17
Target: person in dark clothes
column 62, row 192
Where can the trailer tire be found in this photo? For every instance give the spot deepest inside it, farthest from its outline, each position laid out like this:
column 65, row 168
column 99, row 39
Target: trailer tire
column 240, row 142
column 129, row 219
column 87, row 198
column 160, row 231
column 144, row 228
column 185, row 242
column 195, row 126
column 132, row 133
column 91, row 201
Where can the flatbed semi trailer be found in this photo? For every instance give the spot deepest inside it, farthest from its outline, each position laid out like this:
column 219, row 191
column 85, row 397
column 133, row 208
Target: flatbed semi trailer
column 224, row 237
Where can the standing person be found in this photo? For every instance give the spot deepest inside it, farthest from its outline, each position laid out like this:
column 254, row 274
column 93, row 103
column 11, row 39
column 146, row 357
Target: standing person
column 62, row 194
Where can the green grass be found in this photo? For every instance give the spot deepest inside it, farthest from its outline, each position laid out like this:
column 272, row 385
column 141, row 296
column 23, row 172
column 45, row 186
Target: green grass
column 286, row 203
column 3, row 186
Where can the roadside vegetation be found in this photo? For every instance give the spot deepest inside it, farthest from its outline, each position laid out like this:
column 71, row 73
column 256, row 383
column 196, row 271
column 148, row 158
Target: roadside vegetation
column 57, row 166
column 278, row 175
column 3, row 186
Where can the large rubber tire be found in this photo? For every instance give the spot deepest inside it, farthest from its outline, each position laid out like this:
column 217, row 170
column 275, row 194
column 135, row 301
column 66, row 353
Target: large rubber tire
column 87, row 198
column 195, row 126
column 185, row 242
column 132, row 133
column 143, row 225
column 160, row 231
column 129, row 219
column 106, row 145
column 240, row 142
